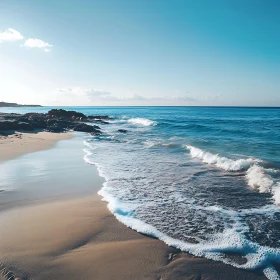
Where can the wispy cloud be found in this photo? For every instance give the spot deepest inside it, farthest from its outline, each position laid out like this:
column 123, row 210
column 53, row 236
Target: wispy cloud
column 92, row 93
column 10, row 35
column 84, row 91
column 86, row 95
column 37, row 43
column 213, row 97
column 188, row 99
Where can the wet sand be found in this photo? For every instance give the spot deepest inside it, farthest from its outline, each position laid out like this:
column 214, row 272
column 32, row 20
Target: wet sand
column 17, row 144
column 76, row 237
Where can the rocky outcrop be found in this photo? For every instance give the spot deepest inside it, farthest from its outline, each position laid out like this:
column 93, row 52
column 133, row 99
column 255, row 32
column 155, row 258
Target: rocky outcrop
column 87, row 128
column 15, row 125
column 56, row 120
column 60, row 113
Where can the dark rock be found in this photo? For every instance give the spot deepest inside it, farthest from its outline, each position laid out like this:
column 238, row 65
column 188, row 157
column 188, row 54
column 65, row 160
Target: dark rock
column 122, row 130
column 25, row 126
column 55, row 128
column 60, row 113
column 87, row 128
column 54, row 121
column 15, row 125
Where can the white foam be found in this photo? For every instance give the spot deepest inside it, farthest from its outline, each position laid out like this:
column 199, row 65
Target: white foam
column 142, row 121
column 221, row 162
column 276, row 193
column 258, row 179
column 271, row 273
column 151, row 144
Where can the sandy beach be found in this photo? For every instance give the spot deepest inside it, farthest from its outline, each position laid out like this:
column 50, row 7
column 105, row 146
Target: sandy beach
column 76, row 237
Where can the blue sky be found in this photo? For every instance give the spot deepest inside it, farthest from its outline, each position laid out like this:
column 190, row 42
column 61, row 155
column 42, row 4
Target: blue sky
column 149, row 52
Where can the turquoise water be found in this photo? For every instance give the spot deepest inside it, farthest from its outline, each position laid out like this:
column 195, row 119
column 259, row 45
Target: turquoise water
column 203, row 179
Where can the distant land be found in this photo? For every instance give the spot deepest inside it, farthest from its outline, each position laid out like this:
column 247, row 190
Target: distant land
column 7, row 104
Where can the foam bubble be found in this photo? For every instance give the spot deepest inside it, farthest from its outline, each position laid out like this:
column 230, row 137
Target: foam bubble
column 142, row 121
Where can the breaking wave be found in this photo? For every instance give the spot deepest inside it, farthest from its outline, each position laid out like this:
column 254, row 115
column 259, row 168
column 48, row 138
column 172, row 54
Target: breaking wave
column 142, row 121
column 257, row 177
column 221, row 162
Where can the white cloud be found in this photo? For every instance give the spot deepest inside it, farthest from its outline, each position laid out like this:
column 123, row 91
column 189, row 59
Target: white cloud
column 37, row 43
column 10, row 35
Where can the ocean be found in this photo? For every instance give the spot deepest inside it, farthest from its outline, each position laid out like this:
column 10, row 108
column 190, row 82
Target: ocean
column 205, row 180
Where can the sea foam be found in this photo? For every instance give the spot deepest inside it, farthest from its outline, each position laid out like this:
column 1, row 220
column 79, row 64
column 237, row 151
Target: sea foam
column 258, row 179
column 229, row 240
column 142, row 121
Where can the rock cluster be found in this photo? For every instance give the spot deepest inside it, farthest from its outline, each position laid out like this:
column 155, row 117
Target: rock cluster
column 56, row 120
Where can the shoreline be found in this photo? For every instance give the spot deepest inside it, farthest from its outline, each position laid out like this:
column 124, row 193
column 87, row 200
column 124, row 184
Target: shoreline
column 78, row 238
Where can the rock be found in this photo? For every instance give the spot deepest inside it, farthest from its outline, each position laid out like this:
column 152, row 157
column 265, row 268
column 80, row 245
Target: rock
column 25, row 126
column 87, row 128
column 60, row 113
column 54, row 121
column 55, row 128
column 122, row 130
column 15, row 125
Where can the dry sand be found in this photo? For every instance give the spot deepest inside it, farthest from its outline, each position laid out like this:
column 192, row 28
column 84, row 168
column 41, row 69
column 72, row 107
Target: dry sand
column 80, row 239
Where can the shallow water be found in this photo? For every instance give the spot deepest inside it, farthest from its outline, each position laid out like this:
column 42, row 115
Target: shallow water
column 203, row 179
column 56, row 173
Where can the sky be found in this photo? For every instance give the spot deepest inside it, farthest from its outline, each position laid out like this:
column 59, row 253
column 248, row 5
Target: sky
column 138, row 53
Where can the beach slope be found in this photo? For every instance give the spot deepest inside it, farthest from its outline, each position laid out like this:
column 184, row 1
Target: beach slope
column 78, row 238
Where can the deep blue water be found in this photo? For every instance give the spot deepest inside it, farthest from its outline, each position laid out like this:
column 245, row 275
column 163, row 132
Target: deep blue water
column 203, row 179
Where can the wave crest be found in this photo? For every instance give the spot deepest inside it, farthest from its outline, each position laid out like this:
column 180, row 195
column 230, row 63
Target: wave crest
column 142, row 121
column 221, row 162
